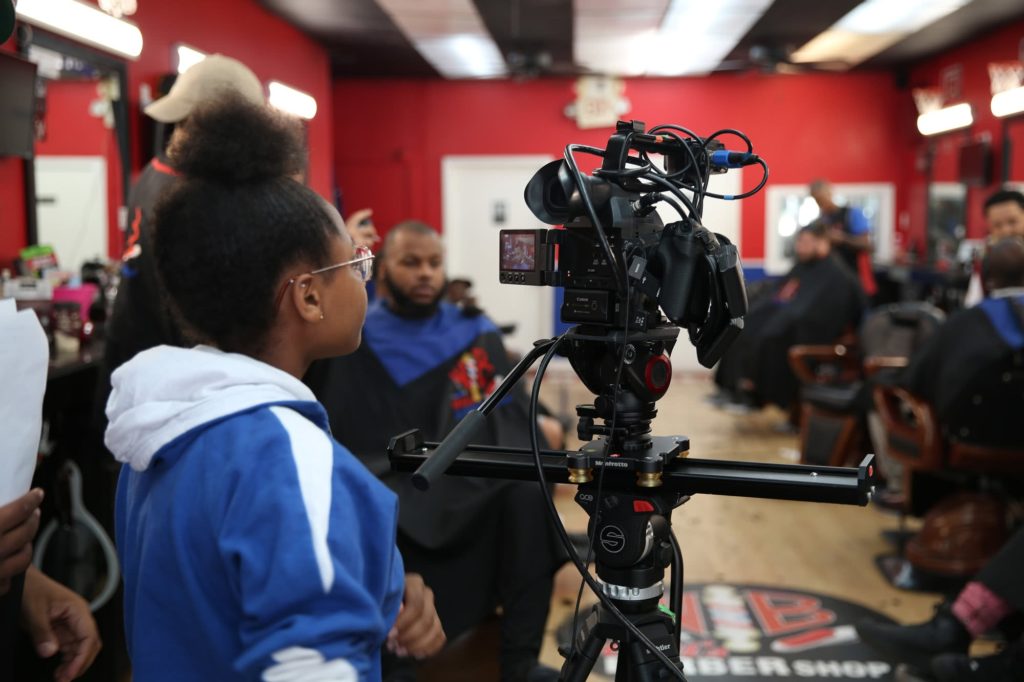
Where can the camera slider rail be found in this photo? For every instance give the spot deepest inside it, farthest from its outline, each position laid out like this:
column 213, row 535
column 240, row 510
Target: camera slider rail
column 682, row 475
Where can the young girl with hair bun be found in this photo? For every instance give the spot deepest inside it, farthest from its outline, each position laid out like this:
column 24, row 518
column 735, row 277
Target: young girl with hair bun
column 253, row 545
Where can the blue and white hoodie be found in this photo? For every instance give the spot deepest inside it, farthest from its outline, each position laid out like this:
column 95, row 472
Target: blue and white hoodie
column 254, row 546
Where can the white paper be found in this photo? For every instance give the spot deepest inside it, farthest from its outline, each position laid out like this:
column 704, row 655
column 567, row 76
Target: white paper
column 24, row 360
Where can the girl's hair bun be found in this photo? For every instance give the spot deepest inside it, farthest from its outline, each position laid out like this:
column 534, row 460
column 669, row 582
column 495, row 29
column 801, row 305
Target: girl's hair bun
column 231, row 140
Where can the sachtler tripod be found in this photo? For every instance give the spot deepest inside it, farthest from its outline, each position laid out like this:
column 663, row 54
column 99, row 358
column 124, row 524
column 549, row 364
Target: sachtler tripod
column 642, row 479
column 633, row 546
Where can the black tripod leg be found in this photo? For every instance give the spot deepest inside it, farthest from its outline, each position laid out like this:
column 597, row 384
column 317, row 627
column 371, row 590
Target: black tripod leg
column 637, row 664
column 577, row 667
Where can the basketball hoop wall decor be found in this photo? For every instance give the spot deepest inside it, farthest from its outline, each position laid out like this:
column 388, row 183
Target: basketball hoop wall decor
column 935, row 116
column 1007, row 85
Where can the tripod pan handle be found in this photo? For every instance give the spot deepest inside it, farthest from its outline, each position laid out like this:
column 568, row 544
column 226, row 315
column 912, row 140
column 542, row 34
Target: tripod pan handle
column 448, row 449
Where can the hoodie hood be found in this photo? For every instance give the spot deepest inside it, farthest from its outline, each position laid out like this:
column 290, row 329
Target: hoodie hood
column 165, row 392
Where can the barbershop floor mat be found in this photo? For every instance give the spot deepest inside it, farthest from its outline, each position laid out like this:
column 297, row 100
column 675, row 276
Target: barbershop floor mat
column 752, row 632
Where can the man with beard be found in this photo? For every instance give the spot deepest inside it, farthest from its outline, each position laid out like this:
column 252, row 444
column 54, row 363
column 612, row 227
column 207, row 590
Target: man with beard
column 816, row 302
column 424, row 364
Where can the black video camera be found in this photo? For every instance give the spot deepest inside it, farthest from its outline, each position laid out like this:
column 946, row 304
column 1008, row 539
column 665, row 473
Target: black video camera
column 615, row 247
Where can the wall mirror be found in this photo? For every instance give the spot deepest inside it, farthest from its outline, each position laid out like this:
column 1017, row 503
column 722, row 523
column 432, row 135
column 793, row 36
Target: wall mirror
column 79, row 172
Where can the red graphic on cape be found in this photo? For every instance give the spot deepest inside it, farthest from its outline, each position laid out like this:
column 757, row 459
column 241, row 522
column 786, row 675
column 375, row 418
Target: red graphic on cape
column 788, row 291
column 473, row 379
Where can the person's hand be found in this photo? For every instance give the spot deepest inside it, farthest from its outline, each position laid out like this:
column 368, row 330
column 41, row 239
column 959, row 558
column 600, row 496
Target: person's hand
column 57, row 619
column 19, row 521
column 362, row 233
column 418, row 631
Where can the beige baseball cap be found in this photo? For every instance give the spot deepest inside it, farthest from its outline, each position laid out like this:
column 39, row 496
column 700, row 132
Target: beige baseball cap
column 202, row 83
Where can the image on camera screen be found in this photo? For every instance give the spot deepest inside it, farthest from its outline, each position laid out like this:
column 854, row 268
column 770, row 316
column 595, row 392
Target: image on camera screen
column 518, row 251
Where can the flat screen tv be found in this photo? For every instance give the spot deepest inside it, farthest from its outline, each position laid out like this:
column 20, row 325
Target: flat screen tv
column 976, row 163
column 17, row 106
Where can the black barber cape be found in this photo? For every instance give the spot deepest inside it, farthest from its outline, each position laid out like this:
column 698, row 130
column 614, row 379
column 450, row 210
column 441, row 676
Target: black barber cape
column 10, row 630
column 465, row 533
column 964, row 366
column 815, row 303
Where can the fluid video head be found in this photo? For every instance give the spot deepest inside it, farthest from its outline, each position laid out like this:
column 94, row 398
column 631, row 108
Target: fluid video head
column 615, row 258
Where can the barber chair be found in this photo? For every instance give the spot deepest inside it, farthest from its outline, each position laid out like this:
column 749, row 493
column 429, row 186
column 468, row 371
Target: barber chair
column 835, row 388
column 965, row 470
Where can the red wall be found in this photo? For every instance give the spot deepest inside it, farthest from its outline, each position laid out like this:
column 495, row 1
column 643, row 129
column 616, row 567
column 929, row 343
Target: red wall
column 842, row 127
column 391, row 135
column 849, row 128
column 12, row 201
column 12, row 210
column 1000, row 45
column 237, row 28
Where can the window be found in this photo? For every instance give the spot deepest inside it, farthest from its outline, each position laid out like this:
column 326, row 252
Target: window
column 790, row 207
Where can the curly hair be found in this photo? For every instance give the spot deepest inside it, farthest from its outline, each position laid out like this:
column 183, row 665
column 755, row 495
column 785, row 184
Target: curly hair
column 225, row 233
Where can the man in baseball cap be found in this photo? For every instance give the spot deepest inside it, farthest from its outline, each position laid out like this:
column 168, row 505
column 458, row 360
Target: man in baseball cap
column 204, row 82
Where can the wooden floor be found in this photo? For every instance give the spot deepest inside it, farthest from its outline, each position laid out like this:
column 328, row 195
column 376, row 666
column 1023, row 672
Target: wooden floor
column 817, row 547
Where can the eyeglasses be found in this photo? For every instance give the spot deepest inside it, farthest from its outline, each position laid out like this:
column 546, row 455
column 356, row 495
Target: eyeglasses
column 362, row 264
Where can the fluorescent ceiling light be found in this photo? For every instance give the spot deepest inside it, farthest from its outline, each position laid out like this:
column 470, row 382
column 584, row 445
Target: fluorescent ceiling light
column 464, row 55
column 697, row 35
column 873, row 26
column 187, row 57
column 1008, row 102
column 292, row 101
column 616, row 39
column 835, row 45
column 660, row 37
column 886, row 16
column 450, row 35
column 944, row 120
column 85, row 23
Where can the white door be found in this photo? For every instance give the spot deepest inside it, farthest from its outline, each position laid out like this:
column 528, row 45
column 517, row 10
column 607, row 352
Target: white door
column 71, row 196
column 483, row 195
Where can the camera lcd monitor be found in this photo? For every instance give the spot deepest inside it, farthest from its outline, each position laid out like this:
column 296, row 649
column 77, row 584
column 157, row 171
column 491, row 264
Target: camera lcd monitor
column 518, row 251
